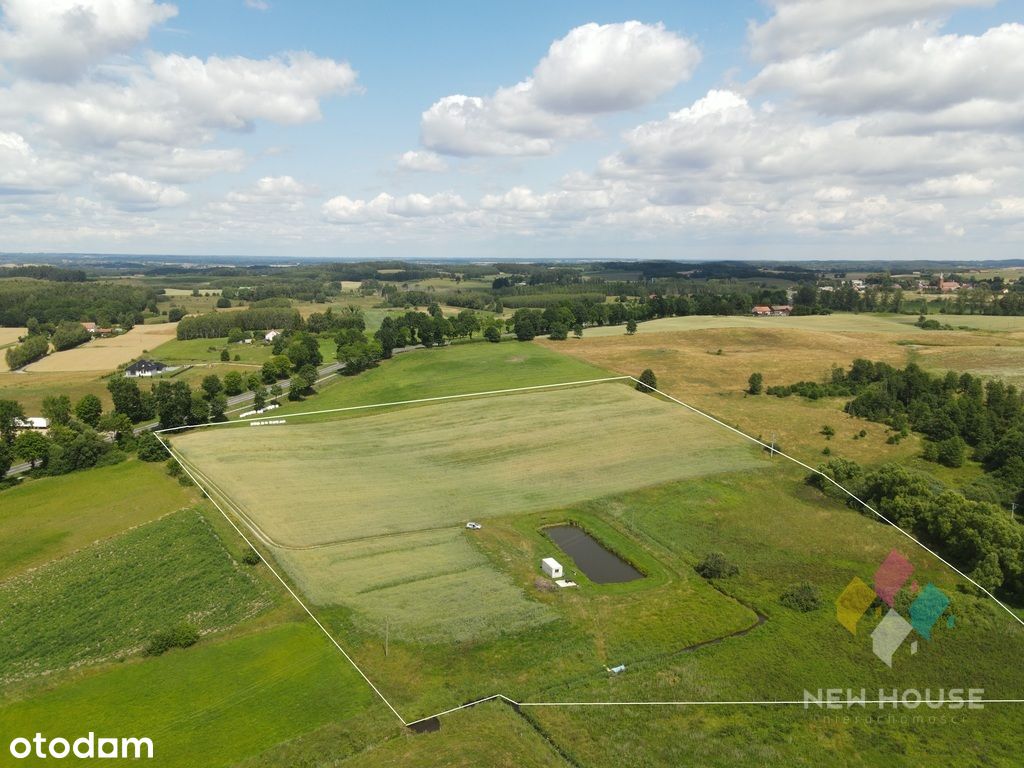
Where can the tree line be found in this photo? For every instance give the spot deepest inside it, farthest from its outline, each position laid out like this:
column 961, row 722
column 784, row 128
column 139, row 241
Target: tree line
column 216, row 324
column 51, row 301
column 961, row 416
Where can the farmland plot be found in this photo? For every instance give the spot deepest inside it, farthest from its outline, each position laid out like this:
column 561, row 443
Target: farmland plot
column 106, row 354
column 369, row 512
column 311, row 483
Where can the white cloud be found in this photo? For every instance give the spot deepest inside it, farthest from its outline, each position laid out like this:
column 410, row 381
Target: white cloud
column 274, row 190
column 802, row 26
column 257, row 5
column 135, row 193
column 234, row 92
column 345, row 210
column 611, row 67
column 22, row 171
column 905, row 69
column 594, row 69
column 422, row 160
column 960, row 185
column 62, row 39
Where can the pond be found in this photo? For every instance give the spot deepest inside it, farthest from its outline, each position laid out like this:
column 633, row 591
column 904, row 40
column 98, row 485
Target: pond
column 600, row 565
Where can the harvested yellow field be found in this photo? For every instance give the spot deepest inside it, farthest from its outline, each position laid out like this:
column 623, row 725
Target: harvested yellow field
column 10, row 336
column 106, row 354
column 709, row 368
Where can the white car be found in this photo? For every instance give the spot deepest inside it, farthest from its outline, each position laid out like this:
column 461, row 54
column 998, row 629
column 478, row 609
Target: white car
column 473, row 526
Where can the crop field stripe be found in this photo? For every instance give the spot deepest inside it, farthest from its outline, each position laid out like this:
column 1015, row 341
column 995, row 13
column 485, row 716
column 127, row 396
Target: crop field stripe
column 404, row 402
column 849, row 493
column 292, row 592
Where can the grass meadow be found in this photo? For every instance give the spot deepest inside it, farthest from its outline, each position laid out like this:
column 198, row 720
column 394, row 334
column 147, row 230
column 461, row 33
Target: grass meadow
column 214, row 704
column 467, row 459
column 47, row 518
column 107, row 602
column 29, row 388
column 491, row 734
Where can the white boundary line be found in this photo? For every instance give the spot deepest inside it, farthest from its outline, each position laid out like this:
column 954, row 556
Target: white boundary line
column 286, row 586
column 849, row 493
column 502, row 697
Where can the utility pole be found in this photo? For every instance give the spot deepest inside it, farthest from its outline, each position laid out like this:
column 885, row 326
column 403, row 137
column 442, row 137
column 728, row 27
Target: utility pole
column 772, row 453
column 387, row 634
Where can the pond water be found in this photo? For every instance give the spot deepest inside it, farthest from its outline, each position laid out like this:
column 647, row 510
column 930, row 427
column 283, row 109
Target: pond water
column 599, row 565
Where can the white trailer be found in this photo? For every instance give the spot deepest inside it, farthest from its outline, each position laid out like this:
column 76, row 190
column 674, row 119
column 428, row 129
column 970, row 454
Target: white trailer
column 551, row 567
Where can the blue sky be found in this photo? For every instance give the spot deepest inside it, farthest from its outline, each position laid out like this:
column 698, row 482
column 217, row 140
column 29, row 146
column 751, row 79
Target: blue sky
column 783, row 129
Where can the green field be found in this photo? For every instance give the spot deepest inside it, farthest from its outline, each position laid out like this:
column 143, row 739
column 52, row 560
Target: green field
column 377, row 501
column 44, row 519
column 177, row 352
column 161, row 574
column 450, row 370
column 211, row 705
column 519, row 452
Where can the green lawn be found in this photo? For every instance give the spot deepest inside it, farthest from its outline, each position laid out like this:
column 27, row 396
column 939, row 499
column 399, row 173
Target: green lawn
column 211, row 705
column 450, row 370
column 106, row 602
column 44, row 519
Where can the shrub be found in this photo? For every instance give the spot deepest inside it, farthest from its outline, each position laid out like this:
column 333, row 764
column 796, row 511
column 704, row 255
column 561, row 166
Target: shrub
column 68, row 335
column 181, row 636
column 801, row 597
column 33, row 348
column 755, row 384
column 150, row 448
column 647, row 382
column 716, row 566
column 252, row 557
column 492, row 334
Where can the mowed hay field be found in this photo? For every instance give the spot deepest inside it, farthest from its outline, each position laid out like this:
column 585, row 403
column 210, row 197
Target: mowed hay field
column 403, row 579
column 29, row 389
column 106, row 354
column 398, row 471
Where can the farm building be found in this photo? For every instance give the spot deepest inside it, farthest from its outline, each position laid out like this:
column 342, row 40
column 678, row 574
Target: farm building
column 782, row 310
column 551, row 567
column 271, row 335
column 144, row 368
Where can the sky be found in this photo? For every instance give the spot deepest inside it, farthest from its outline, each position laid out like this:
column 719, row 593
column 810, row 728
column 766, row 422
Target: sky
column 784, row 129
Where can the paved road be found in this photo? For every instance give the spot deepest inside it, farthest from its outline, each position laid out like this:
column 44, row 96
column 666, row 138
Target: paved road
column 323, row 372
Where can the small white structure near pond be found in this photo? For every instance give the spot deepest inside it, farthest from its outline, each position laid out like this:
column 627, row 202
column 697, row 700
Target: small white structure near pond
column 551, row 567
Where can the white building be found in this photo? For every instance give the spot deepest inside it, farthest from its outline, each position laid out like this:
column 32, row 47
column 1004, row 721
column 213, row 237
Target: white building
column 32, row 422
column 271, row 335
column 551, row 567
